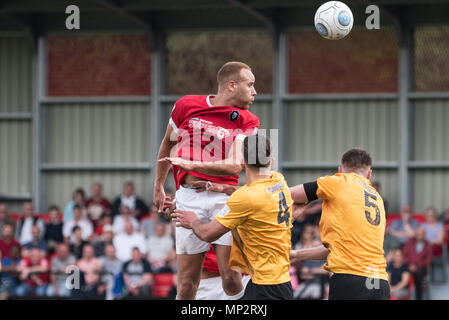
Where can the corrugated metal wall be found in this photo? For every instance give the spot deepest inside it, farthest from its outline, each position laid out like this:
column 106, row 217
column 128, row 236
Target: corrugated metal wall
column 15, row 97
column 320, row 131
column 97, row 133
column 431, row 130
column 15, row 157
column 430, row 188
column 15, row 74
column 431, row 136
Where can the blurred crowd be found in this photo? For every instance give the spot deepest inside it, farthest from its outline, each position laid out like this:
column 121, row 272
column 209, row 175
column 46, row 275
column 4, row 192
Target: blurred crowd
column 124, row 249
column 92, row 249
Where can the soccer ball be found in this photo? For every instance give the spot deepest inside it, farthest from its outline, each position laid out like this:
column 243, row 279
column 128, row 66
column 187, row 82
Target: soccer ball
column 333, row 20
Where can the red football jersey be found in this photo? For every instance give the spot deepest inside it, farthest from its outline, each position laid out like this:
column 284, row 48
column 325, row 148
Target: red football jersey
column 206, row 133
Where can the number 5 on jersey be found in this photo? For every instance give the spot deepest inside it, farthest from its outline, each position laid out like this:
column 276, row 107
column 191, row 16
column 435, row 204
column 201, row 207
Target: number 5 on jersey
column 370, row 204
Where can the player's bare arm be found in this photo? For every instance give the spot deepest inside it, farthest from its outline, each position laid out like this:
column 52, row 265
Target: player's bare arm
column 231, row 166
column 162, row 168
column 315, row 253
column 208, row 232
column 299, row 194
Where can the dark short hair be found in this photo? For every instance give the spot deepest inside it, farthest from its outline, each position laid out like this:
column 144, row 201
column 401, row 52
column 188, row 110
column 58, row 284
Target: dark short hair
column 356, row 158
column 75, row 228
column 53, row 207
column 257, row 151
column 77, row 206
column 80, row 191
column 231, row 71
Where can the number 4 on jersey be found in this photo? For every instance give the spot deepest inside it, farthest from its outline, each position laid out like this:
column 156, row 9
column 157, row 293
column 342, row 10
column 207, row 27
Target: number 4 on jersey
column 284, row 213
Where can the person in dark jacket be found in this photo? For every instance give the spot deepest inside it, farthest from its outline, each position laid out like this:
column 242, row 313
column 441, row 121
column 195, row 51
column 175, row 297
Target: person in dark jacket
column 53, row 229
column 128, row 198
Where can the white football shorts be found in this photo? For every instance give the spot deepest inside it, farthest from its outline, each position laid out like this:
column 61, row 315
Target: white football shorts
column 206, row 205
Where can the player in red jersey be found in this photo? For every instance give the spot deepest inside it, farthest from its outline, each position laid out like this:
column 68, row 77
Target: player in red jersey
column 207, row 129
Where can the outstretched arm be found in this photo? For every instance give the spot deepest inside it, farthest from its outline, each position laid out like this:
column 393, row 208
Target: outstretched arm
column 208, row 232
column 315, row 253
column 231, row 166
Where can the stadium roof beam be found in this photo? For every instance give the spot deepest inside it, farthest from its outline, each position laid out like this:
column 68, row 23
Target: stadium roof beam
column 266, row 20
column 27, row 23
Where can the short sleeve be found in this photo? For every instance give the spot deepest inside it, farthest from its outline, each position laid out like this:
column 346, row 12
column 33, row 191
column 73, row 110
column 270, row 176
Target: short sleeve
column 177, row 115
column 329, row 186
column 146, row 267
column 125, row 267
column 236, row 211
column 249, row 127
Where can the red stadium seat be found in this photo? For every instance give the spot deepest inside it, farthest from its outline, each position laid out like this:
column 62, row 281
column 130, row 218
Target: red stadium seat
column 162, row 284
column 44, row 216
column 419, row 217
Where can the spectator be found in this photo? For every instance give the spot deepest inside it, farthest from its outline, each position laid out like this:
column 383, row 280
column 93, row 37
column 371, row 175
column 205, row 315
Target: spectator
column 391, row 243
column 106, row 219
column 310, row 215
column 53, row 229
column 37, row 241
column 418, row 256
column 309, row 271
column 7, row 241
column 59, row 264
column 446, row 226
column 34, row 272
column 129, row 199
column 91, row 267
column 79, row 198
column 398, row 275
column 78, row 243
column 434, row 231
column 376, row 185
column 101, row 242
column 5, row 218
column 124, row 242
column 97, row 205
column 405, row 227
column 111, row 269
column 9, row 276
column 161, row 252
column 147, row 225
column 78, row 220
column 119, row 220
column 137, row 276
column 25, row 224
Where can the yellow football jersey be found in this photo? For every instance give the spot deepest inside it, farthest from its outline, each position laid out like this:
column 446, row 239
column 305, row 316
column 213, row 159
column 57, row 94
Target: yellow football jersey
column 260, row 217
column 352, row 225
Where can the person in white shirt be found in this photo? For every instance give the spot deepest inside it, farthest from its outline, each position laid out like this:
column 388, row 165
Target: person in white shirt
column 118, row 226
column 126, row 241
column 25, row 225
column 161, row 250
column 85, row 225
